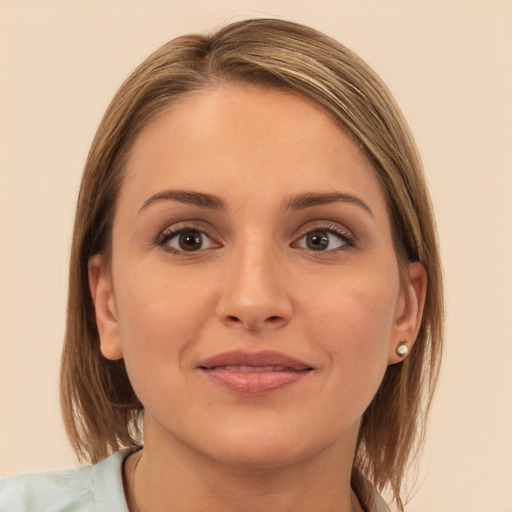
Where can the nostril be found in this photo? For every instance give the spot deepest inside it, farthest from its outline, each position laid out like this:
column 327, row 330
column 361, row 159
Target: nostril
column 253, row 322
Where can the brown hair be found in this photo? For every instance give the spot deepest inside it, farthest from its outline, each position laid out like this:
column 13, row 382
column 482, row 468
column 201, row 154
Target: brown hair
column 101, row 412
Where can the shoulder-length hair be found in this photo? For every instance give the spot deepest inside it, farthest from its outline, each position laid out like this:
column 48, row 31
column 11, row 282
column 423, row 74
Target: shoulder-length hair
column 101, row 412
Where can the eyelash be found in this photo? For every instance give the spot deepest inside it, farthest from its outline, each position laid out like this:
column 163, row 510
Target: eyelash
column 171, row 232
column 348, row 240
column 342, row 234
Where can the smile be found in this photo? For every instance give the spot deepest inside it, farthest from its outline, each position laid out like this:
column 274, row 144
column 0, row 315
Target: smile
column 250, row 369
column 254, row 374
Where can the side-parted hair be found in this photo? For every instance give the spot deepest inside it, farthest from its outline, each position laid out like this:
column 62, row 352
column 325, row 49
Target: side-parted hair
column 101, row 412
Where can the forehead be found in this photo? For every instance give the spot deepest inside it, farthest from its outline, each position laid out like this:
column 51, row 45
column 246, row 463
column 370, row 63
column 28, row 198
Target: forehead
column 250, row 141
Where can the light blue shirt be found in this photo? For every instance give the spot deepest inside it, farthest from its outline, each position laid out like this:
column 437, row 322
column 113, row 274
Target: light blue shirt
column 97, row 488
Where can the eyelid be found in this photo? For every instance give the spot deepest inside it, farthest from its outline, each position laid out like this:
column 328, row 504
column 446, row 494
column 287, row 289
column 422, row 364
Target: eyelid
column 175, row 229
column 333, row 227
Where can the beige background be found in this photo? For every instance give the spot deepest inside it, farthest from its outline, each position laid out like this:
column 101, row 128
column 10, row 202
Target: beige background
column 449, row 64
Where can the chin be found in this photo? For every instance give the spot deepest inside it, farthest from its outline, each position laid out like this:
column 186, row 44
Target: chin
column 267, row 447
column 257, row 455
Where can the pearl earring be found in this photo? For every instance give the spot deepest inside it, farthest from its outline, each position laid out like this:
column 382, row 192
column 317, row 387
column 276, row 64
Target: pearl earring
column 402, row 349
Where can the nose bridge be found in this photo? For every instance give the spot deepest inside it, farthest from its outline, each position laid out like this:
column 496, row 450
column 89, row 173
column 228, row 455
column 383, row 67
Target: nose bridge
column 255, row 294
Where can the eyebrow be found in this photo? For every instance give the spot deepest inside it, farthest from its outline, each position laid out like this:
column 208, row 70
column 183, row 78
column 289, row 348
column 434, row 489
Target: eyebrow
column 209, row 201
column 298, row 202
column 308, row 200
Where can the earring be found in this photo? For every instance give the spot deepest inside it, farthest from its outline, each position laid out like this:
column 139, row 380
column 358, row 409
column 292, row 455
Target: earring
column 402, row 349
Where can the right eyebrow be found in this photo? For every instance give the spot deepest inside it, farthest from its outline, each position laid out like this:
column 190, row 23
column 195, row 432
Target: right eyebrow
column 209, row 201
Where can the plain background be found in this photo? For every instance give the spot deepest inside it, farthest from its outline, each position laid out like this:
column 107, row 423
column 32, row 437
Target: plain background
column 448, row 63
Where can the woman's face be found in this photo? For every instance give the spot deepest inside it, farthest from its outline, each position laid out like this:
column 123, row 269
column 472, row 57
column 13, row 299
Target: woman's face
column 254, row 288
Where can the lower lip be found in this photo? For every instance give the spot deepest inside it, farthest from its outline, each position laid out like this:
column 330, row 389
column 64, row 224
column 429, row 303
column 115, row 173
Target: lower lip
column 255, row 383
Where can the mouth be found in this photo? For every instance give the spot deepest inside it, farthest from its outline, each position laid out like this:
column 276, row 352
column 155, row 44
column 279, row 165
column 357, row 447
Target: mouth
column 254, row 373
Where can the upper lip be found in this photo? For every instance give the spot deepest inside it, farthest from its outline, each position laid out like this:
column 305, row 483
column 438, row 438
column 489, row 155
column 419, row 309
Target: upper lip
column 262, row 358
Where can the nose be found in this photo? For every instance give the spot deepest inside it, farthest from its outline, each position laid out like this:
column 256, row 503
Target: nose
column 255, row 295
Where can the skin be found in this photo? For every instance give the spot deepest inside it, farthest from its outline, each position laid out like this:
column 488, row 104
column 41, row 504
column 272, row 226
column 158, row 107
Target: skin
column 255, row 284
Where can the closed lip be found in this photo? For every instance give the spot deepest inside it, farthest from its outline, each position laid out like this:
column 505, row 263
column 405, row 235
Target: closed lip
column 263, row 359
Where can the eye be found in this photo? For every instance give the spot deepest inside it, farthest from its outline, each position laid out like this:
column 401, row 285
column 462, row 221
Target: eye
column 185, row 240
column 323, row 240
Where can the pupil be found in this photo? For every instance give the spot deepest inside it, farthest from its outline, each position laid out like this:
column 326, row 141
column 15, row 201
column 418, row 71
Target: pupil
column 190, row 241
column 317, row 240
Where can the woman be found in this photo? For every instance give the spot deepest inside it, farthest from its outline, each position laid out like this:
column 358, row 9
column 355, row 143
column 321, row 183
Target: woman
column 255, row 282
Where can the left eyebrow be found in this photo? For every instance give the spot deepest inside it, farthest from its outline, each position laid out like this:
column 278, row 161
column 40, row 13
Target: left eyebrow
column 309, row 200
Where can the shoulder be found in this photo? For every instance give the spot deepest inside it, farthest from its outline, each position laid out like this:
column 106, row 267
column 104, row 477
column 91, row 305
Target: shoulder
column 369, row 498
column 96, row 488
column 379, row 505
column 52, row 490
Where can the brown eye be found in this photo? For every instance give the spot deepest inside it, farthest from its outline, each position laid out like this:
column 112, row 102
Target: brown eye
column 323, row 240
column 186, row 240
column 317, row 240
column 190, row 241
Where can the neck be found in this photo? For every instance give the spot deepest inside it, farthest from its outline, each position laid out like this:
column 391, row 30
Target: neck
column 170, row 473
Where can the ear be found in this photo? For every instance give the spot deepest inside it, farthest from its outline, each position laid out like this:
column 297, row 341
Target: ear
column 100, row 284
column 409, row 312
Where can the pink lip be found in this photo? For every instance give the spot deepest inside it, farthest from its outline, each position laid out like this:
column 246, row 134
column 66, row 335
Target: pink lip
column 254, row 373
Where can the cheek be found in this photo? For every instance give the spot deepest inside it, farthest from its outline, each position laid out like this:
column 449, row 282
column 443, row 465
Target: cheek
column 157, row 301
column 355, row 306
column 159, row 320
column 352, row 325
